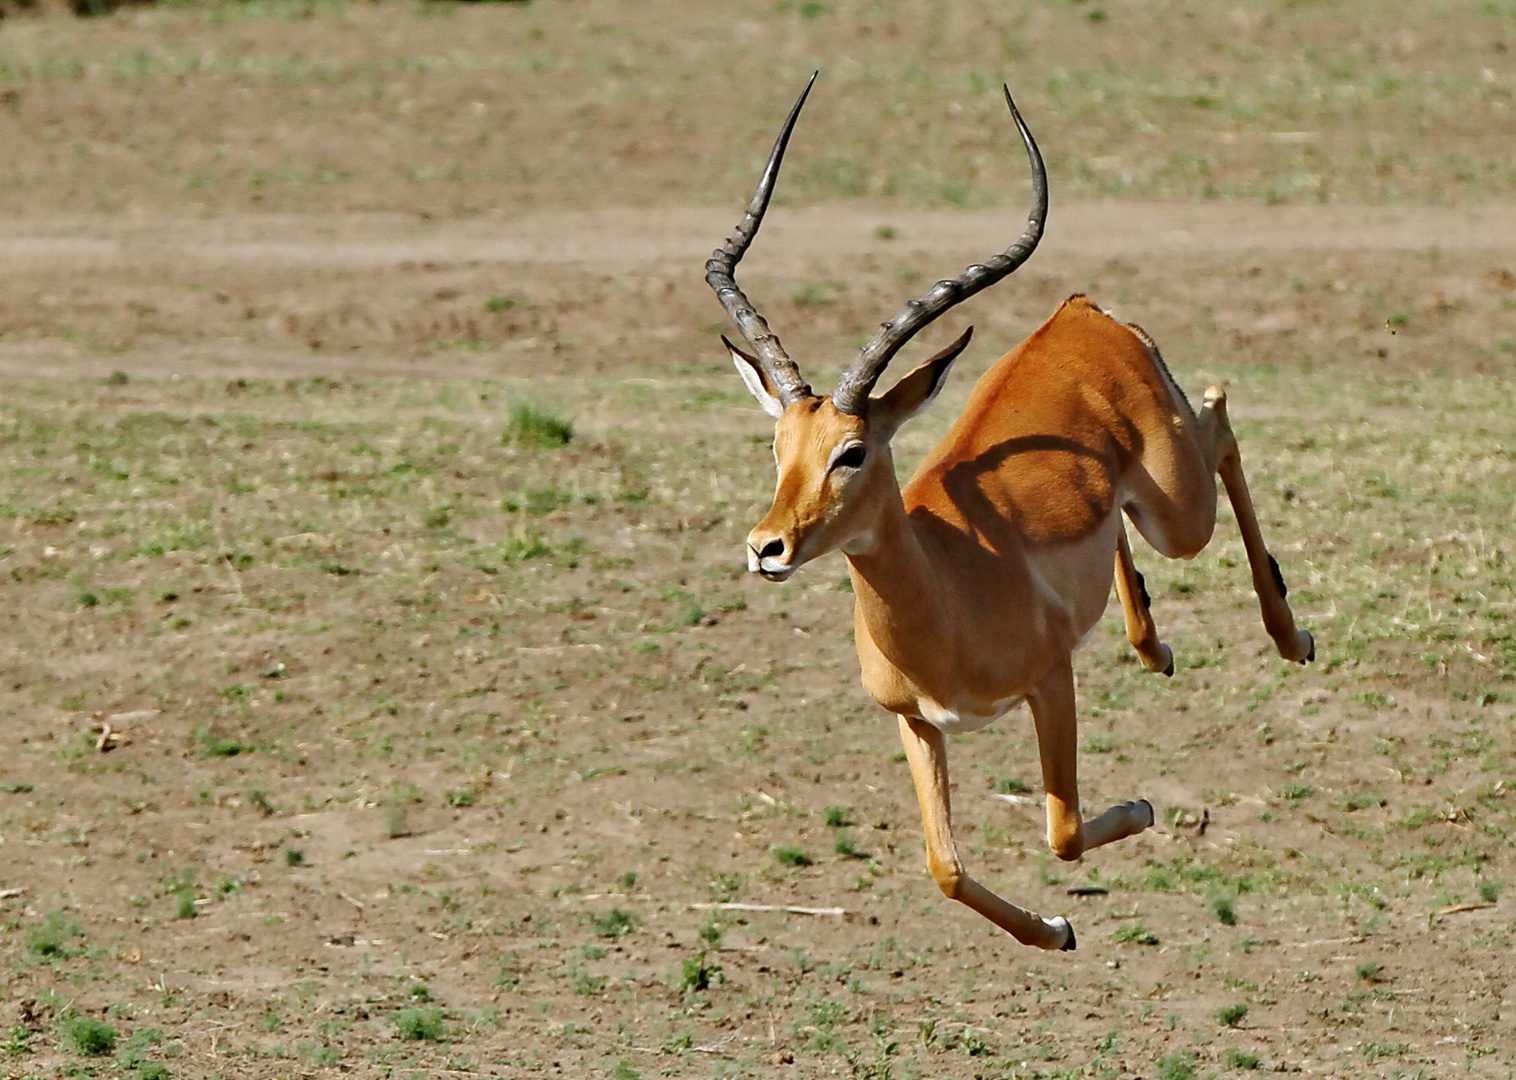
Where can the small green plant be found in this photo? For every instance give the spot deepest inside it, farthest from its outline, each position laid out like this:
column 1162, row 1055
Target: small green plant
column 18, row 1042
column 1135, row 934
column 844, row 845
column 1230, row 1015
column 88, row 1036
column 1489, row 891
column 712, row 933
column 215, row 745
column 184, row 904
column 838, row 816
column 1011, row 785
column 696, row 974
column 1233, row 1058
column 1370, row 971
column 420, row 1024
column 459, row 798
column 1180, row 1066
column 786, row 855
column 259, row 800
column 1225, row 910
column 49, row 940
column 629, row 880
column 294, row 857
column 501, row 303
column 396, row 816
column 529, row 426
column 614, row 923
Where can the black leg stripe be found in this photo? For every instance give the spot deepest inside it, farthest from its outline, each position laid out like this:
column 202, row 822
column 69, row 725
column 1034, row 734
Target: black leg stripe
column 1284, row 590
column 1142, row 587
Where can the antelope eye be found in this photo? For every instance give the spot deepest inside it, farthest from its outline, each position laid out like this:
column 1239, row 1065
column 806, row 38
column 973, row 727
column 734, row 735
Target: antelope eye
column 851, row 458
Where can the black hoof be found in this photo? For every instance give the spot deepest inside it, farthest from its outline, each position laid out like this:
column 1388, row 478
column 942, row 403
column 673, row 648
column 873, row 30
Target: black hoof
column 1070, row 945
column 1169, row 671
column 1152, row 814
column 1311, row 653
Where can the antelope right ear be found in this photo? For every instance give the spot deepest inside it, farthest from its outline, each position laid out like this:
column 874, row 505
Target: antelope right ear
column 756, row 379
column 916, row 391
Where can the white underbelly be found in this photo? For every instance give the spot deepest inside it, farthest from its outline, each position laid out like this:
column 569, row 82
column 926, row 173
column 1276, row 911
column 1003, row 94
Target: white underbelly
column 951, row 722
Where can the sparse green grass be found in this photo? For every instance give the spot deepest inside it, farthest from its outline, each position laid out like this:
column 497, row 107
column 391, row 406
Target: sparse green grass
column 789, row 855
column 53, row 937
column 1225, row 910
column 1177, row 1066
column 615, row 923
column 424, row 1024
column 1134, row 933
column 88, row 1036
column 532, row 426
column 1230, row 1015
column 696, row 975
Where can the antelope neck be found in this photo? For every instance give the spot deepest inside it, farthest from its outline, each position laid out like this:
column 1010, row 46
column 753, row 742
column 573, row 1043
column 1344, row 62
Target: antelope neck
column 897, row 588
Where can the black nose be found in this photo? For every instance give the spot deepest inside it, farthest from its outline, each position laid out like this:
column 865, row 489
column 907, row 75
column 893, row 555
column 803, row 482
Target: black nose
column 772, row 550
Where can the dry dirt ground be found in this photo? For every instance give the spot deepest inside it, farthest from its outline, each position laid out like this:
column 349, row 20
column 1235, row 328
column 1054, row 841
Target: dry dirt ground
column 355, row 725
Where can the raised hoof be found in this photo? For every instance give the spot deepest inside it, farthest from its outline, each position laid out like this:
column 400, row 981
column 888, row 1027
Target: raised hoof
column 1310, row 645
column 1152, row 815
column 1059, row 922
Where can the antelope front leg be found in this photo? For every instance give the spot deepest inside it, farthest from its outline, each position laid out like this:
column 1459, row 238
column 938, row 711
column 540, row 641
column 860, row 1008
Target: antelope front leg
column 926, row 751
column 1057, row 738
column 1133, row 593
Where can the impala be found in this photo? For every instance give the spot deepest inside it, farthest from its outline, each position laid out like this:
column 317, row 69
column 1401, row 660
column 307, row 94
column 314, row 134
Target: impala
column 978, row 581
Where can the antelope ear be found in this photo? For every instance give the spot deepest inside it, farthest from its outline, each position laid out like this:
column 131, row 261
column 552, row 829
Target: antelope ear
column 756, row 379
column 915, row 392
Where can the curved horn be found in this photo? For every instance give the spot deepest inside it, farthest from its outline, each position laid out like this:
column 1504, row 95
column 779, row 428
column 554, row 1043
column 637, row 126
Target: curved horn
column 852, row 393
column 721, row 268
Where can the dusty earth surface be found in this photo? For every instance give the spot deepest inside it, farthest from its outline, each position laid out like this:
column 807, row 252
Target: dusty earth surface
column 357, row 724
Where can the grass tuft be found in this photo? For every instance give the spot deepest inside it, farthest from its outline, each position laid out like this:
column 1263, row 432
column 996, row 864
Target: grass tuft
column 695, row 974
column 88, row 1036
column 615, row 923
column 530, row 426
column 1135, row 934
column 422, row 1024
column 49, row 940
column 1230, row 1015
column 787, row 855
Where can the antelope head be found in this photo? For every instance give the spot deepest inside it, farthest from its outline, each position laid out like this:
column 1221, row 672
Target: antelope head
column 833, row 451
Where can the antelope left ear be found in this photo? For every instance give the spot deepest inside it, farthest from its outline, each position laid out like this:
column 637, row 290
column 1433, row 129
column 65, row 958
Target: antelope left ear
column 756, row 379
column 915, row 392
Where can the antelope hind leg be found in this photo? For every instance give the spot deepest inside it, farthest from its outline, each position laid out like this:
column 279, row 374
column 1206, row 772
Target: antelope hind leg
column 926, row 751
column 1268, row 582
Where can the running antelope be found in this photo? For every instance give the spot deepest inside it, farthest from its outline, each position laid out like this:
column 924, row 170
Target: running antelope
column 977, row 582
